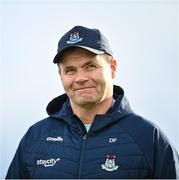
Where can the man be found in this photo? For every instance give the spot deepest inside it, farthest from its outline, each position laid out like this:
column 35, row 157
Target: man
column 91, row 132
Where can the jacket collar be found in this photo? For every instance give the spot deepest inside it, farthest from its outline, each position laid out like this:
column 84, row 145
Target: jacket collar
column 60, row 107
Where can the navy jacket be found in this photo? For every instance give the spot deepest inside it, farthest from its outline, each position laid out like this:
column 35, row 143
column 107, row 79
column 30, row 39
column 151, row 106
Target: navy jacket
column 119, row 144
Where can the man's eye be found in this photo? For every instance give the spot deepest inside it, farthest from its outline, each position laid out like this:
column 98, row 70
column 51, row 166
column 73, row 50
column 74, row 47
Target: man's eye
column 69, row 71
column 91, row 67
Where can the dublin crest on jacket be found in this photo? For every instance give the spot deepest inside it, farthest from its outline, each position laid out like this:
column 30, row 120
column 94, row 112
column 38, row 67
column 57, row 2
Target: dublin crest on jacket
column 110, row 163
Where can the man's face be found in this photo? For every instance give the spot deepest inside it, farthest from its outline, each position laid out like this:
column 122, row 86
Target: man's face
column 87, row 78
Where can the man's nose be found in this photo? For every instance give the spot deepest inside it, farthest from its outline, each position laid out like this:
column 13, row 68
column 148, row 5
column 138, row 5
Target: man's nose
column 81, row 78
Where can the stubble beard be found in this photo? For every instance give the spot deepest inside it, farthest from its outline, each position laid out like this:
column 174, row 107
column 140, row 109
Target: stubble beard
column 86, row 100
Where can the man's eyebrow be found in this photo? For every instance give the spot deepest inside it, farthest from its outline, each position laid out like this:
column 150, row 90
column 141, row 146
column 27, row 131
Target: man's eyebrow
column 88, row 63
column 82, row 66
column 69, row 67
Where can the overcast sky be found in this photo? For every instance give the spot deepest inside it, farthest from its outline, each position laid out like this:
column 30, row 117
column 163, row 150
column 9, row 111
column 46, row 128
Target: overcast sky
column 142, row 35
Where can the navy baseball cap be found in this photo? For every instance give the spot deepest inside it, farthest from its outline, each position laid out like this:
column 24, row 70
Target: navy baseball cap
column 90, row 39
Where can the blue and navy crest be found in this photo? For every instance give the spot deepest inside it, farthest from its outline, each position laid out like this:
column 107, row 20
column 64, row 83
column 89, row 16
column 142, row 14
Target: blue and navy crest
column 110, row 163
column 74, row 38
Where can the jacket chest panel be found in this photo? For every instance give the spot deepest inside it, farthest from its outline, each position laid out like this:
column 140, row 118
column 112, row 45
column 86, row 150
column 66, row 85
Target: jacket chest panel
column 110, row 156
column 114, row 156
column 54, row 155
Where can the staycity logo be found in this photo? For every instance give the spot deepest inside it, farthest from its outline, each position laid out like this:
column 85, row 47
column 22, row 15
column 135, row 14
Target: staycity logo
column 47, row 162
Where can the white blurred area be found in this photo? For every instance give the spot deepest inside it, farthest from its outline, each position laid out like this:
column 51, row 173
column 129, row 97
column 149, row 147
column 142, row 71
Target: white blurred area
column 144, row 39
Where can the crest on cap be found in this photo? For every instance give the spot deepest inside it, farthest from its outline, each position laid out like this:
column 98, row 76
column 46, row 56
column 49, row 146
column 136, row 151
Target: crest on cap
column 74, row 38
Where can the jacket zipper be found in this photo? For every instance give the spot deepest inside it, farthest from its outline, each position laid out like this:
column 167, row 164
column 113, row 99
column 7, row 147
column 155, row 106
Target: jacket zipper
column 81, row 156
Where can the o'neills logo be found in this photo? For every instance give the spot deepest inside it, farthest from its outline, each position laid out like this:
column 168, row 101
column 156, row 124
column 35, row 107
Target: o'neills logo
column 59, row 138
column 47, row 162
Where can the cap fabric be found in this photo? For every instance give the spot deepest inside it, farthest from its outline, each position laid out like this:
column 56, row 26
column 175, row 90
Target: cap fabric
column 90, row 39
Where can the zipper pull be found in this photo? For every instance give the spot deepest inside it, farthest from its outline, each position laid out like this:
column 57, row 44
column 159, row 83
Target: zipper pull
column 84, row 136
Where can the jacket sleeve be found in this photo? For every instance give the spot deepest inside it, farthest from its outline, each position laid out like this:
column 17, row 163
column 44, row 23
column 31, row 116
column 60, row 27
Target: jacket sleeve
column 17, row 168
column 165, row 158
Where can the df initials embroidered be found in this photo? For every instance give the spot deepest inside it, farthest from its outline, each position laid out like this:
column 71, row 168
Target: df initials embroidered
column 48, row 162
column 112, row 140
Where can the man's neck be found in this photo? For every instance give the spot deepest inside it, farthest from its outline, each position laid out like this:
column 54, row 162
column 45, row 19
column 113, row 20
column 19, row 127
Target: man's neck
column 87, row 113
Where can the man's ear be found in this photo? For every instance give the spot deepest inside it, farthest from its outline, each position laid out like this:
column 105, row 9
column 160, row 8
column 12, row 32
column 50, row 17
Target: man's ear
column 113, row 67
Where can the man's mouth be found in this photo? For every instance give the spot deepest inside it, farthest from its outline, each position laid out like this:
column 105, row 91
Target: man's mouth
column 83, row 88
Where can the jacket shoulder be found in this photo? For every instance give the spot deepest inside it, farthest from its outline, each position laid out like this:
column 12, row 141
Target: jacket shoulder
column 39, row 130
column 159, row 153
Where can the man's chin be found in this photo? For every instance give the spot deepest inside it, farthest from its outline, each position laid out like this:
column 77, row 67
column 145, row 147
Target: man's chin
column 85, row 101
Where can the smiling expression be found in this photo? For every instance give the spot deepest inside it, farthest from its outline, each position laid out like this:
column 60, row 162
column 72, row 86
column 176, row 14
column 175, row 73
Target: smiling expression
column 87, row 78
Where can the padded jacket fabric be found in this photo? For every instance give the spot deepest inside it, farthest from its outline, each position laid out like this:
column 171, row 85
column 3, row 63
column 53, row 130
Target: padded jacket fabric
column 119, row 144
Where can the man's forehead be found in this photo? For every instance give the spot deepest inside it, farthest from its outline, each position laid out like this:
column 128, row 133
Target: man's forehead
column 75, row 53
column 79, row 63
